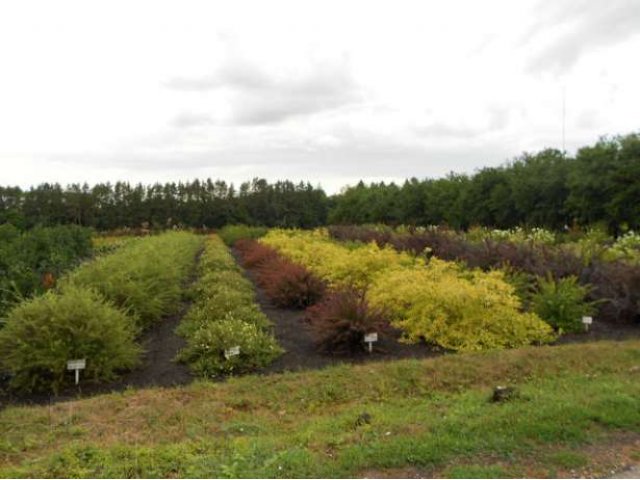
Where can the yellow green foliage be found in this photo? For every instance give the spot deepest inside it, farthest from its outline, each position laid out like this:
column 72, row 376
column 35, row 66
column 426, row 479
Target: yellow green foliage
column 337, row 264
column 457, row 309
column 439, row 301
column 223, row 316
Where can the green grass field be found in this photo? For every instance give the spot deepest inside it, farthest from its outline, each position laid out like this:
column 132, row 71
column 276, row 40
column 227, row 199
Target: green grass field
column 575, row 406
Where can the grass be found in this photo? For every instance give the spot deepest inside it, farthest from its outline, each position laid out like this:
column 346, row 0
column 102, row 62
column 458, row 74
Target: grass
column 426, row 415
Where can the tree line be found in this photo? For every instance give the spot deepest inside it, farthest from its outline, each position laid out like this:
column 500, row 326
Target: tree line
column 600, row 184
column 208, row 204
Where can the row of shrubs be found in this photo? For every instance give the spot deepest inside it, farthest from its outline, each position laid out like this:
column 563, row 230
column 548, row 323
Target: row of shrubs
column 433, row 300
column 32, row 261
column 223, row 316
column 230, row 234
column 613, row 285
column 96, row 312
column 339, row 317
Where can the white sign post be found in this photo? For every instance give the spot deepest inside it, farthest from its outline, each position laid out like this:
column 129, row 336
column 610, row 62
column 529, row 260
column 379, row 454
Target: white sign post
column 587, row 321
column 231, row 352
column 77, row 365
column 370, row 338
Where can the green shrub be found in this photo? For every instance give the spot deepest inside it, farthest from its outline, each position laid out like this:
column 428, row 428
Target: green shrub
column 205, row 350
column 231, row 233
column 204, row 313
column 144, row 277
column 41, row 334
column 224, row 315
column 561, row 303
column 626, row 248
column 31, row 262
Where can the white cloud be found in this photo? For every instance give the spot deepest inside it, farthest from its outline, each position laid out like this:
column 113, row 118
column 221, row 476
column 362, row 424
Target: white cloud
column 324, row 91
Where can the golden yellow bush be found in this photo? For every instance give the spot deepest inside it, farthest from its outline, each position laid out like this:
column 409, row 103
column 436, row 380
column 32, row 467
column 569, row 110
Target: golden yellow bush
column 337, row 264
column 440, row 302
column 456, row 309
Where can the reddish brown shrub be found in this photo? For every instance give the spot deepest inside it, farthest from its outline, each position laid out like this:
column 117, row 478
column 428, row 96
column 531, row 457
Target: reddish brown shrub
column 290, row 285
column 254, row 253
column 287, row 284
column 341, row 320
column 617, row 286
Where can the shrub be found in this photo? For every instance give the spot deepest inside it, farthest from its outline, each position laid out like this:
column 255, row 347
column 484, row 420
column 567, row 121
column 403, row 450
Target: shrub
column 287, row 284
column 342, row 319
column 290, row 285
column 457, row 309
column 43, row 333
column 561, row 303
column 205, row 350
column 144, row 277
column 230, row 234
column 254, row 253
column 626, row 247
column 617, row 286
column 31, row 262
column 224, row 315
column 218, row 308
column 338, row 265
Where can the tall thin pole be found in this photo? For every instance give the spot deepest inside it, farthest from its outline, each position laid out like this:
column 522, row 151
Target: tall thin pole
column 564, row 115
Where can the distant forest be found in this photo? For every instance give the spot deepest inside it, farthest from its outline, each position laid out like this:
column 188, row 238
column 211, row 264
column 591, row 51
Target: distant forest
column 601, row 184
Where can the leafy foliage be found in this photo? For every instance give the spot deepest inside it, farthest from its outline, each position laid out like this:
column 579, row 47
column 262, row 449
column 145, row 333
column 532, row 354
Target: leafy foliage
column 44, row 332
column 287, row 284
column 144, row 277
column 230, row 234
column 438, row 301
column 225, row 315
column 342, row 319
column 205, row 352
column 561, row 303
column 457, row 309
column 616, row 283
column 616, row 287
column 340, row 266
column 31, row 262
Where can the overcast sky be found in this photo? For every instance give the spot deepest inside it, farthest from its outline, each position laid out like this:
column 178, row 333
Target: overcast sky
column 329, row 92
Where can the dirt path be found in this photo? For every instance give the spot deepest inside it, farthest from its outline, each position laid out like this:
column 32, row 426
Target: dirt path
column 161, row 345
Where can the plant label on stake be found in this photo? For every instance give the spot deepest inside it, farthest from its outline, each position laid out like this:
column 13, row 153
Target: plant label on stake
column 77, row 365
column 232, row 352
column 587, row 321
column 370, row 338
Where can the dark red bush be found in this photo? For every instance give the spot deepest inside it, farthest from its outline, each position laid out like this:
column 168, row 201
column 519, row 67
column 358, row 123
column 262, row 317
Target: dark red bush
column 254, row 253
column 341, row 320
column 616, row 285
column 287, row 284
column 290, row 285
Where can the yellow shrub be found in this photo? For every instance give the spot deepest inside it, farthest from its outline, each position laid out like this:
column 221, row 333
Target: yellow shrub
column 335, row 263
column 440, row 302
column 455, row 309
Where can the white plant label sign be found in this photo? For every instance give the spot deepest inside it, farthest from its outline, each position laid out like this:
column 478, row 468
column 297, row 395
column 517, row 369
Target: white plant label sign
column 77, row 365
column 232, row 352
column 587, row 321
column 370, row 338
